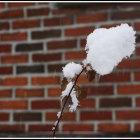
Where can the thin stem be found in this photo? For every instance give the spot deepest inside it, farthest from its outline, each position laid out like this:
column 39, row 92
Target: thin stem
column 54, row 131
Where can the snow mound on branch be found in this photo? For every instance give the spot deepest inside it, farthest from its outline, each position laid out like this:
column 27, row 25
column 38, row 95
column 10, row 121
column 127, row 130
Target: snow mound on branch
column 71, row 69
column 107, row 47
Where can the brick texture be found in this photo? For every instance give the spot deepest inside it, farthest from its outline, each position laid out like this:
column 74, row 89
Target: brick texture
column 36, row 41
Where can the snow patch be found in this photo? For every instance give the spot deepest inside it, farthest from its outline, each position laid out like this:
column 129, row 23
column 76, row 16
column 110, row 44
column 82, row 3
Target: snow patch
column 107, row 47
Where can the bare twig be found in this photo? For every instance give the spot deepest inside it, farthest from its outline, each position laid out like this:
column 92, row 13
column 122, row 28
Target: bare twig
column 54, row 131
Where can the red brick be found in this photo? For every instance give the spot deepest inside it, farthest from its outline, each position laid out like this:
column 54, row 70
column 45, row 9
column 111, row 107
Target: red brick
column 129, row 64
column 37, row 12
column 45, row 80
column 99, row 90
column 83, row 79
column 128, row 115
column 4, row 116
column 138, row 51
column 78, row 127
column 46, row 57
column 66, row 11
column 4, row 26
column 113, row 128
column 2, row 5
column 54, row 92
column 40, row 128
column 11, row 14
column 115, row 102
column 112, row 25
column 127, row 5
column 6, row 70
column 128, row 89
column 92, row 18
column 13, row 36
column 12, row 128
column 13, row 105
column 88, row 103
column 5, row 48
column 137, row 26
column 83, row 43
column 116, row 77
column 67, row 116
column 23, row 24
column 49, row 104
column 19, row 4
column 123, row 15
column 58, row 21
column 23, row 93
column 75, row 55
column 79, row 31
column 5, row 93
column 15, row 81
column 137, row 127
column 14, row 59
column 64, row 44
column 94, row 115
column 137, row 76
column 138, row 102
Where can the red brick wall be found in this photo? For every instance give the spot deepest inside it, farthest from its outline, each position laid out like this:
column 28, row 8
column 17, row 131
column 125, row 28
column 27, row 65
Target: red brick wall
column 36, row 40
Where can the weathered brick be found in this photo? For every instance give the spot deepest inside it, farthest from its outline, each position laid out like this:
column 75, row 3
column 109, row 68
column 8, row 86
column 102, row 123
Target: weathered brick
column 99, row 90
column 30, row 69
column 128, row 115
column 92, row 18
column 2, row 5
column 19, row 4
column 23, row 24
column 46, row 57
column 79, row 31
column 67, row 116
column 116, row 77
column 128, row 89
column 129, row 64
column 4, row 116
column 14, row 59
column 45, row 104
column 6, row 70
column 55, row 67
column 66, row 11
column 137, row 127
column 11, row 14
column 5, row 48
column 138, row 102
column 95, row 115
column 26, row 47
column 78, row 127
column 115, row 102
column 14, row 36
column 46, row 34
column 114, row 127
column 64, row 44
column 125, row 15
column 29, row 93
column 14, row 128
column 40, row 128
column 4, row 26
column 27, row 116
column 15, row 81
column 54, row 92
column 137, row 76
column 138, row 51
column 10, row 105
column 88, row 103
column 75, row 55
column 45, row 80
column 5, row 93
column 37, row 12
column 61, row 21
